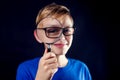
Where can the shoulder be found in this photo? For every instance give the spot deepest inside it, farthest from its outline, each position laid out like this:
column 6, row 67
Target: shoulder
column 27, row 69
column 77, row 63
column 28, row 64
column 81, row 69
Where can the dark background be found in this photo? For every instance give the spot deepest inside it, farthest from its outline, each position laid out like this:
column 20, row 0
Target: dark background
column 96, row 41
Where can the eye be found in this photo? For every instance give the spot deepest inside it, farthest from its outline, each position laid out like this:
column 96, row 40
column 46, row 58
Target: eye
column 66, row 30
column 52, row 30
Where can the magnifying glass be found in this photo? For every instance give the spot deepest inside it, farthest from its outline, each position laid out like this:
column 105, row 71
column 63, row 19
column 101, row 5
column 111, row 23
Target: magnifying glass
column 52, row 29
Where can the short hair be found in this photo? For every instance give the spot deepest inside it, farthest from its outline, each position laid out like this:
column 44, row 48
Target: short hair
column 52, row 10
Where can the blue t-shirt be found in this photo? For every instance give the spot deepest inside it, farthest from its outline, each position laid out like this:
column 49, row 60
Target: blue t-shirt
column 74, row 70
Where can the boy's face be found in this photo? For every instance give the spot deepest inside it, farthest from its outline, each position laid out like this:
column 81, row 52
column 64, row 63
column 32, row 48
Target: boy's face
column 49, row 35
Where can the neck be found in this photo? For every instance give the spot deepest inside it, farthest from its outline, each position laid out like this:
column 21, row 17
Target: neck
column 62, row 60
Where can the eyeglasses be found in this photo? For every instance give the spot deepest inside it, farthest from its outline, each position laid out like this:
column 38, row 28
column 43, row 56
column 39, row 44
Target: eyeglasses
column 56, row 32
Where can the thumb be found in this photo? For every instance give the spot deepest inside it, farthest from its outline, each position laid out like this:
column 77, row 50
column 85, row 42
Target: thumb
column 46, row 50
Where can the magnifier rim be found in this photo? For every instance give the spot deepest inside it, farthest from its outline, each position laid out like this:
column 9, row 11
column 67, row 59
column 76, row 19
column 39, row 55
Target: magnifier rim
column 45, row 27
column 56, row 38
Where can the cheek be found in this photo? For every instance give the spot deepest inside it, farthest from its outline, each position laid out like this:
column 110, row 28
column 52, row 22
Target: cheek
column 69, row 39
column 45, row 39
column 40, row 35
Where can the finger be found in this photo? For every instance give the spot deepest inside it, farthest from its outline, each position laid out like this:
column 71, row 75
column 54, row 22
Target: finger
column 51, row 60
column 51, row 66
column 46, row 51
column 53, row 71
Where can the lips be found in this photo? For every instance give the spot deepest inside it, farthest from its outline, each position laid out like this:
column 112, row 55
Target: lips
column 59, row 45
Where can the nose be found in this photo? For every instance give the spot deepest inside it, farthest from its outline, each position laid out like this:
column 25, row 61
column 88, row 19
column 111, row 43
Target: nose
column 62, row 37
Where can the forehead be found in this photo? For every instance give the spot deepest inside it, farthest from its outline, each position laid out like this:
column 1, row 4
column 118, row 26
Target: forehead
column 62, row 21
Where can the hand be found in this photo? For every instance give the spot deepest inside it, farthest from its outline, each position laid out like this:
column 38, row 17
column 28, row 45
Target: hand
column 47, row 66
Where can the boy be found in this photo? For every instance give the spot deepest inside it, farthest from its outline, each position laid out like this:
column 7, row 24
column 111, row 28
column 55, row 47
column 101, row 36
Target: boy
column 55, row 30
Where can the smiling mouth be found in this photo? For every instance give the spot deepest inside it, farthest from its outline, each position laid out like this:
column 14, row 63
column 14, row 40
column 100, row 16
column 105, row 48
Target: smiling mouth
column 59, row 45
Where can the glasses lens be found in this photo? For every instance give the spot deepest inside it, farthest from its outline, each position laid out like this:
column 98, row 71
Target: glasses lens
column 68, row 31
column 53, row 32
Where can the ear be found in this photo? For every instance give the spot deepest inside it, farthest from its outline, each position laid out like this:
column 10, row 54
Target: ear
column 36, row 37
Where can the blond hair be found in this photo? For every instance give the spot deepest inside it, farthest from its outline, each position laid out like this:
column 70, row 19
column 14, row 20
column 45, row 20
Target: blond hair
column 52, row 10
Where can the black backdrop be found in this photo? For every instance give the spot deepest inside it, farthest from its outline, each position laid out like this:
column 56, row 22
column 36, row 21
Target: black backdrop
column 95, row 41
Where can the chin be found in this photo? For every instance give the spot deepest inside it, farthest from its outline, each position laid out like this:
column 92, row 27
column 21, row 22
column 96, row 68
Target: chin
column 60, row 52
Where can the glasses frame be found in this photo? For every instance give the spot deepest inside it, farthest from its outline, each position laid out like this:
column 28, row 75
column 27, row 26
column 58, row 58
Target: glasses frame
column 62, row 32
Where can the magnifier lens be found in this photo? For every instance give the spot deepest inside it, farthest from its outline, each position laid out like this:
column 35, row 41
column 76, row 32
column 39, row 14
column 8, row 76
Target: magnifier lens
column 52, row 28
